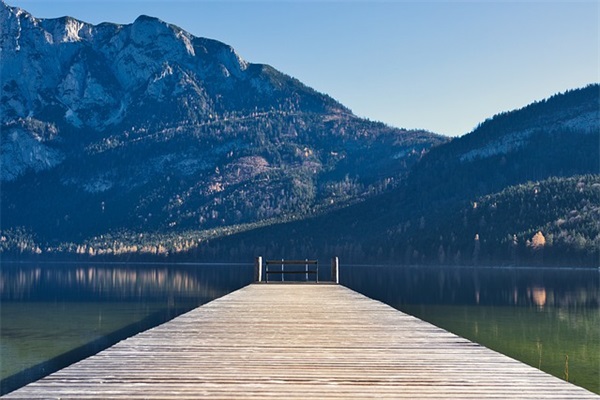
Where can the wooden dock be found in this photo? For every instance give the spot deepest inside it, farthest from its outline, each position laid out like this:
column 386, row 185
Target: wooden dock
column 298, row 341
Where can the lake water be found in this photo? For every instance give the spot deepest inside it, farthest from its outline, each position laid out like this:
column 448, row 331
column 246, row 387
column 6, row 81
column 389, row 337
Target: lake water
column 538, row 316
column 54, row 314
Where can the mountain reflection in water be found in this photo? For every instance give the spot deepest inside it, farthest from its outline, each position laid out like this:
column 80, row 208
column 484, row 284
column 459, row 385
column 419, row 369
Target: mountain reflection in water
column 538, row 287
column 54, row 314
column 123, row 282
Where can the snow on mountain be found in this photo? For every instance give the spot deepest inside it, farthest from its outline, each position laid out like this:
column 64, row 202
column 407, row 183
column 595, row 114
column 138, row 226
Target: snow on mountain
column 504, row 145
column 144, row 126
column 149, row 73
column 69, row 65
column 585, row 124
column 578, row 118
column 26, row 146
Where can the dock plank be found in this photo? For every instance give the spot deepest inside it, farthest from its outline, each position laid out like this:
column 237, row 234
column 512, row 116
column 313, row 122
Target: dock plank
column 298, row 341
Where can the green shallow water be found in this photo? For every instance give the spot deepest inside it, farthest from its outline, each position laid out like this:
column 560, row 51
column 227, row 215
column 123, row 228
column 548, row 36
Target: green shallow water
column 34, row 332
column 52, row 314
column 536, row 315
column 542, row 338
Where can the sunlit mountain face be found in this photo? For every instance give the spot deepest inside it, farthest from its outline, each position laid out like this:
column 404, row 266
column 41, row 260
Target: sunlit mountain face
column 145, row 128
column 143, row 140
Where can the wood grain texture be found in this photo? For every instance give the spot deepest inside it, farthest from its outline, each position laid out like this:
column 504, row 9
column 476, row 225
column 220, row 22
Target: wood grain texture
column 298, row 341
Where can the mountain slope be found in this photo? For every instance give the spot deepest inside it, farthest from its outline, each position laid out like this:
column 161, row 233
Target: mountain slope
column 146, row 128
column 438, row 211
column 553, row 137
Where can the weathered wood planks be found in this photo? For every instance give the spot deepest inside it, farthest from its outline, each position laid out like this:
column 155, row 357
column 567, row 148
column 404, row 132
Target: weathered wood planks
column 298, row 341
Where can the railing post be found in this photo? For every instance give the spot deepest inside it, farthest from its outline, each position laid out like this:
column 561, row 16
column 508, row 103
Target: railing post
column 317, row 274
column 335, row 269
column 306, row 269
column 258, row 269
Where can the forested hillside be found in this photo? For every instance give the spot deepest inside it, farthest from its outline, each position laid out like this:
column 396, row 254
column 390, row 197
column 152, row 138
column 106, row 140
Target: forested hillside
column 479, row 199
column 558, row 136
column 554, row 221
column 144, row 130
column 143, row 141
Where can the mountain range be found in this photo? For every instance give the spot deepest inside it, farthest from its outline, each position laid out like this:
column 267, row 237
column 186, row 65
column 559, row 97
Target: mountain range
column 143, row 140
column 488, row 197
column 145, row 127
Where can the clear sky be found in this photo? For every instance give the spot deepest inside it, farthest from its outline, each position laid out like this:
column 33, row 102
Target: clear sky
column 444, row 66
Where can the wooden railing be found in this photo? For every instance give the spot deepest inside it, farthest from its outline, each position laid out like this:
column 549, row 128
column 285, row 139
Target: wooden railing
column 278, row 267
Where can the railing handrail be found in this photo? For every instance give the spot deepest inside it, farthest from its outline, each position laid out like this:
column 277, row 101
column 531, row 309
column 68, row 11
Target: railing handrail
column 291, row 262
column 258, row 270
column 307, row 271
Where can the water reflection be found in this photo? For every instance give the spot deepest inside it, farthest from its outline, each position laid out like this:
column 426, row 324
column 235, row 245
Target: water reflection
column 122, row 282
column 539, row 316
column 53, row 315
column 476, row 286
column 538, row 296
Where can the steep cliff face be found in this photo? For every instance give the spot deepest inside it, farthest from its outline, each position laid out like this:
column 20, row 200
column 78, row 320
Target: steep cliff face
column 98, row 76
column 146, row 127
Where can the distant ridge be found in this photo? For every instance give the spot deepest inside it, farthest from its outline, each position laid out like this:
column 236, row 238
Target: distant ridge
column 478, row 200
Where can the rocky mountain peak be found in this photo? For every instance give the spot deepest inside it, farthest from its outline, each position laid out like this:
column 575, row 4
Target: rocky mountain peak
column 10, row 27
column 63, row 65
column 151, row 127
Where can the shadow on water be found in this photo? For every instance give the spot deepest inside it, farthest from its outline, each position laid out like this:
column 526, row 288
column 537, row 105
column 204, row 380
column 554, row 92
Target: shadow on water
column 53, row 315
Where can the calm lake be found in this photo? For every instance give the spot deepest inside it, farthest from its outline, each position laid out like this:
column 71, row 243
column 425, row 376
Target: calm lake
column 535, row 315
column 54, row 314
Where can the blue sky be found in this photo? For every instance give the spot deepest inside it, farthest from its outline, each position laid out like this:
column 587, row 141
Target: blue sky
column 444, row 66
